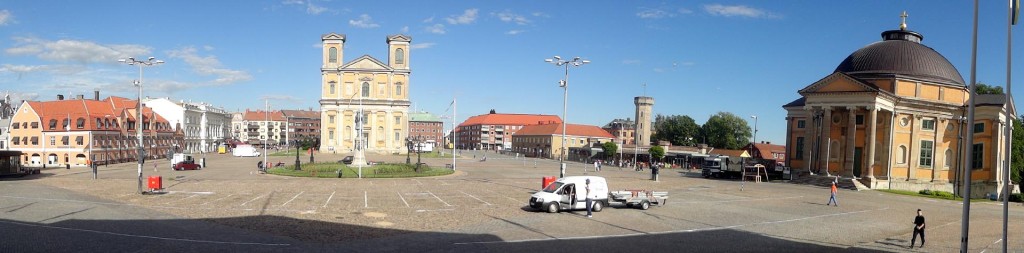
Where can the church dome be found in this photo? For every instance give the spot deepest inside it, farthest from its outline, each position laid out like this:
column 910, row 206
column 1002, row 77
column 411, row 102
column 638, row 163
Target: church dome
column 901, row 53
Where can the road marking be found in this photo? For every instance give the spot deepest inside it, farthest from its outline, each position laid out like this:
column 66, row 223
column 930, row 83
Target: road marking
column 329, row 198
column 144, row 236
column 176, row 200
column 471, row 196
column 403, row 199
column 672, row 231
column 418, row 181
column 434, row 210
column 207, row 202
column 734, row 200
column 366, row 200
column 293, row 198
column 190, row 192
column 251, row 200
column 438, row 199
column 990, row 245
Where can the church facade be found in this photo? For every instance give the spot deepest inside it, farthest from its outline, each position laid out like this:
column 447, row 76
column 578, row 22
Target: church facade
column 893, row 116
column 374, row 91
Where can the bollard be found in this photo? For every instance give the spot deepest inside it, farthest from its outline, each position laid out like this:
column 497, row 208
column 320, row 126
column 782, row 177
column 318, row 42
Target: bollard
column 95, row 174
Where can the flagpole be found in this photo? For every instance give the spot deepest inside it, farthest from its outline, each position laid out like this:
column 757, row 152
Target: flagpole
column 965, row 220
column 1010, row 21
column 455, row 141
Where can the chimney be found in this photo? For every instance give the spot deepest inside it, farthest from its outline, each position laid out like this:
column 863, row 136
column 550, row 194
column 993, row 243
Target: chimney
column 492, row 111
column 60, row 97
column 80, row 97
column 96, row 94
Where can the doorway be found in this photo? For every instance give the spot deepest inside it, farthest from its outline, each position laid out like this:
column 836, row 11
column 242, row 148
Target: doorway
column 857, row 161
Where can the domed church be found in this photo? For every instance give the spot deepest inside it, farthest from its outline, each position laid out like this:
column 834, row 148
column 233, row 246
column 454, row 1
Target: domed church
column 892, row 116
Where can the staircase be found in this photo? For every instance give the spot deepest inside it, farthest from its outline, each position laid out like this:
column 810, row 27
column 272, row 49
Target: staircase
column 826, row 181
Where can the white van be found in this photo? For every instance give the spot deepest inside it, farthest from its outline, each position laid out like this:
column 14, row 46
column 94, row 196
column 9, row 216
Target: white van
column 569, row 193
column 245, row 150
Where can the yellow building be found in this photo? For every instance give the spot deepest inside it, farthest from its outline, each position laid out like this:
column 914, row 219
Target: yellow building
column 380, row 90
column 891, row 115
column 546, row 140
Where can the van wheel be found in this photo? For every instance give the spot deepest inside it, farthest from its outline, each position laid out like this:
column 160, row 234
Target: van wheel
column 645, row 205
column 597, row 207
column 552, row 207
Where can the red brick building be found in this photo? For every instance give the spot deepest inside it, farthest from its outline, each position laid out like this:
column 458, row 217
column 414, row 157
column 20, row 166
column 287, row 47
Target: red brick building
column 493, row 131
column 301, row 125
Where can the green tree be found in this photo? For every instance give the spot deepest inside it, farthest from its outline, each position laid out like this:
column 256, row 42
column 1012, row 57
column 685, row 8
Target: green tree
column 657, row 152
column 677, row 129
column 1017, row 153
column 610, row 148
column 726, row 131
column 988, row 89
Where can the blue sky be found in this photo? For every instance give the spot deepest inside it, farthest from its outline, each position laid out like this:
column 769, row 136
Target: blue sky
column 695, row 57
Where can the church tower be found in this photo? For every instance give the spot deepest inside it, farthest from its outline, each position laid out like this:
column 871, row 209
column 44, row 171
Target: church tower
column 643, row 120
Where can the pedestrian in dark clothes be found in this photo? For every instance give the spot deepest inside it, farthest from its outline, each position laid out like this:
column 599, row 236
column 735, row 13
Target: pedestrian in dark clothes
column 590, row 201
column 832, row 199
column 918, row 229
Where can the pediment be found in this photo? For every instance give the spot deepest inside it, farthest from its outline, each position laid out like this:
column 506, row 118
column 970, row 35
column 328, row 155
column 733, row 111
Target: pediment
column 365, row 62
column 838, row 82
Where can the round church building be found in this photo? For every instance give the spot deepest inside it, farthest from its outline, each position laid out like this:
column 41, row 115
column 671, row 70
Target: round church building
column 890, row 117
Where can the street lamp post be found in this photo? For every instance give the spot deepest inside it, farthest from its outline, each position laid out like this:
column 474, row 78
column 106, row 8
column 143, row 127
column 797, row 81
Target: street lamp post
column 564, row 83
column 298, row 164
column 151, row 61
column 755, row 135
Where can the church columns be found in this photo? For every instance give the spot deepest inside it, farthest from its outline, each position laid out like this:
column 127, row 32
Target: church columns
column 809, row 130
column 914, row 155
column 851, row 138
column 938, row 152
column 825, row 138
column 873, row 121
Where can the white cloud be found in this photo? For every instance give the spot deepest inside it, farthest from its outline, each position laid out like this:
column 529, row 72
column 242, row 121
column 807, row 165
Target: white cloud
column 365, row 21
column 405, row 29
column 514, row 32
column 311, row 7
column 467, row 17
column 290, row 2
column 422, row 45
column 736, row 11
column 509, row 17
column 22, row 68
column 541, row 14
column 209, row 65
column 6, row 17
column 630, row 61
column 685, row 11
column 286, row 98
column 436, row 29
column 429, row 20
column 653, row 13
column 76, row 50
column 17, row 97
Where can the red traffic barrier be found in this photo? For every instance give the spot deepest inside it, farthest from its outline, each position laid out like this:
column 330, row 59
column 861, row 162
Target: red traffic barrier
column 155, row 183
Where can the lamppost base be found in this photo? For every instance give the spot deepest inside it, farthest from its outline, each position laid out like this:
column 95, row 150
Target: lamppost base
column 561, row 171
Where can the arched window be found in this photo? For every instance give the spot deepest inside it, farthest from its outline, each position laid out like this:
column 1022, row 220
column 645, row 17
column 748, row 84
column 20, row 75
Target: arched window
column 99, row 123
column 332, row 87
column 53, row 124
column 332, row 55
column 106, row 122
column 901, row 155
column 380, row 133
column 399, row 56
column 366, row 89
column 80, row 123
column 66, row 122
column 948, row 157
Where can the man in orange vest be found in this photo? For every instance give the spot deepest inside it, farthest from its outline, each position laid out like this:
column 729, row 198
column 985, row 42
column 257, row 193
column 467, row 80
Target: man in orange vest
column 833, row 198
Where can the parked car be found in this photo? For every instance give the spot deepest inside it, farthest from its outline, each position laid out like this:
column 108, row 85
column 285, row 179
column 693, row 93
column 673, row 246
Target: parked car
column 346, row 160
column 186, row 165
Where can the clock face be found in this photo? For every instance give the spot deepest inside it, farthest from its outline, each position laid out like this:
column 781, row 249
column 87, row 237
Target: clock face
column 904, row 121
column 949, row 127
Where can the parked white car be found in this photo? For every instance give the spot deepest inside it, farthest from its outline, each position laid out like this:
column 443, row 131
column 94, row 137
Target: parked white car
column 569, row 193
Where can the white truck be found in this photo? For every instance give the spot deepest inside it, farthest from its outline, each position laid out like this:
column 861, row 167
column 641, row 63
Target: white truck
column 722, row 166
column 245, row 150
column 569, row 193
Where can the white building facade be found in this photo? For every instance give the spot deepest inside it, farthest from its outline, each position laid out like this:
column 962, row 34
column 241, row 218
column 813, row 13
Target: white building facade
column 205, row 126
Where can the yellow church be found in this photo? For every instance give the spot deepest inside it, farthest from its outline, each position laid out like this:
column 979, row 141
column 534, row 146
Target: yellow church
column 893, row 116
column 377, row 89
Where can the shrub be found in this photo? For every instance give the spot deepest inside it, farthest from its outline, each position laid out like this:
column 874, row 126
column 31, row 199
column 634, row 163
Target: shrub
column 925, row 192
column 1016, row 197
column 943, row 194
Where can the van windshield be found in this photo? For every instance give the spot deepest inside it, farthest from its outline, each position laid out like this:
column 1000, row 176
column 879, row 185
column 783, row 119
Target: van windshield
column 553, row 187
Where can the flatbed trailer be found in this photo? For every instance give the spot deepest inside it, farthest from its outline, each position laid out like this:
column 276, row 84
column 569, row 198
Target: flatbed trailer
column 639, row 198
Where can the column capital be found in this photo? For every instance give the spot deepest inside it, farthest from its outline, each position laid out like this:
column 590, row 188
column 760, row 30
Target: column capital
column 851, row 107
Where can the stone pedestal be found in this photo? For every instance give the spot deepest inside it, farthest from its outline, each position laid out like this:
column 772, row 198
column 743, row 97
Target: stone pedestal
column 358, row 158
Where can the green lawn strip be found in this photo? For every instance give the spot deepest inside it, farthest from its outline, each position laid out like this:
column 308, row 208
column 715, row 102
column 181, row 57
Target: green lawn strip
column 289, row 153
column 429, row 155
column 914, row 193
column 329, row 170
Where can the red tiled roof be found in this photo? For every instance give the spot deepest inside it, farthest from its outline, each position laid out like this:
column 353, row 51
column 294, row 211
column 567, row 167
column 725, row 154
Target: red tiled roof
column 570, row 129
column 90, row 110
column 511, row 119
column 766, row 150
column 301, row 114
column 262, row 116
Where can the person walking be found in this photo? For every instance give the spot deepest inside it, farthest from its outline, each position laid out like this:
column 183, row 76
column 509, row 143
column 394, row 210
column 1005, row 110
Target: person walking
column 590, row 201
column 918, row 229
column 832, row 199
